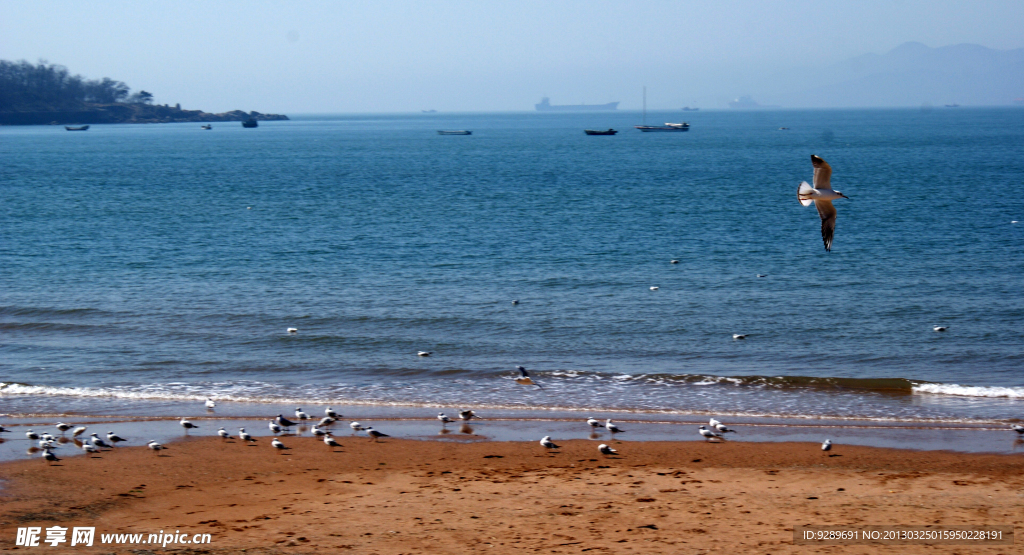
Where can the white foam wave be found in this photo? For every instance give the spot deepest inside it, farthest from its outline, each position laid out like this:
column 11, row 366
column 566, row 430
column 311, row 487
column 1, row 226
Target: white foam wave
column 968, row 390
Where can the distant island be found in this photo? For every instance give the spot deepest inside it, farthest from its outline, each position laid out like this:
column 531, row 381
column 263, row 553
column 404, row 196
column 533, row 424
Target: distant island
column 48, row 94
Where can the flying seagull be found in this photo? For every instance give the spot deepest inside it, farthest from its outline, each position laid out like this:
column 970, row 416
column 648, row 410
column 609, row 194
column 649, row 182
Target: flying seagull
column 524, row 377
column 822, row 195
column 62, row 427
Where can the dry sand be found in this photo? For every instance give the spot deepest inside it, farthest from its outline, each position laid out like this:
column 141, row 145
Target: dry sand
column 407, row 496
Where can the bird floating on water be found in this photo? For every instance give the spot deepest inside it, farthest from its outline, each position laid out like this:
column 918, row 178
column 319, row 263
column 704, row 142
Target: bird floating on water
column 940, row 328
column 821, row 195
column 515, row 301
column 293, row 331
column 673, row 262
column 654, row 288
column 1018, row 428
column 606, row 450
column 524, row 378
column 739, row 336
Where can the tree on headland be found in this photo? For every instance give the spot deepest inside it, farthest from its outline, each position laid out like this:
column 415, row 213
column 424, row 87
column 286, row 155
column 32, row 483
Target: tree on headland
column 24, row 86
column 141, row 97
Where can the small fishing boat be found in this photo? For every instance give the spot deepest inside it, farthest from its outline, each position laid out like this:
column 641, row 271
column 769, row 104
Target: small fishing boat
column 599, row 132
column 207, row 127
column 79, row 128
column 250, row 123
column 455, row 132
column 667, row 127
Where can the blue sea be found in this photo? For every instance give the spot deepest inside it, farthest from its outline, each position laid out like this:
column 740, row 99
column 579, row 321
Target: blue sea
column 147, row 267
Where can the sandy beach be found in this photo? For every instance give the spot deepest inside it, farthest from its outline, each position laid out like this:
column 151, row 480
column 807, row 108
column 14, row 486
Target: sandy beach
column 408, row 496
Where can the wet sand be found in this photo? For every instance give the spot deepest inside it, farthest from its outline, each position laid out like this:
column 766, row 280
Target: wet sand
column 407, row 496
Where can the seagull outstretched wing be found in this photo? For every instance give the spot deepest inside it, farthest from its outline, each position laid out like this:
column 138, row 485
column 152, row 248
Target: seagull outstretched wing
column 822, row 173
column 828, row 221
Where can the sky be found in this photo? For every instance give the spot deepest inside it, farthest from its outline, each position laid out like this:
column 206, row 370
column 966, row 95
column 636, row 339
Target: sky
column 358, row 56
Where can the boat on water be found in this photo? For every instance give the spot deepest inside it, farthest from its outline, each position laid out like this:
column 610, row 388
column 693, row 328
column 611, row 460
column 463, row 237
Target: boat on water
column 683, row 126
column 455, row 132
column 599, row 132
column 667, row 127
column 207, row 127
column 429, row 111
column 954, row 105
column 545, row 105
column 688, row 109
column 79, row 128
column 250, row 123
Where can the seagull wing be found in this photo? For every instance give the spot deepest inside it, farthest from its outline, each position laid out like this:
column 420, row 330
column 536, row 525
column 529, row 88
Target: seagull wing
column 822, row 173
column 828, row 221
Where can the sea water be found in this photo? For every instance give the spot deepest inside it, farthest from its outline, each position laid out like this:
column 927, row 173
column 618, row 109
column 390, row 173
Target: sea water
column 147, row 267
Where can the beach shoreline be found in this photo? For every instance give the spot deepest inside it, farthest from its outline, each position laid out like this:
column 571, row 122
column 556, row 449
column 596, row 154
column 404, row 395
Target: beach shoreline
column 411, row 496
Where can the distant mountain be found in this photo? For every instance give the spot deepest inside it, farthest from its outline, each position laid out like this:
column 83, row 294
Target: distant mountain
column 911, row 74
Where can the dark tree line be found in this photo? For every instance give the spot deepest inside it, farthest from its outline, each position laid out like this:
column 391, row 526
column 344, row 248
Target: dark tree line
column 44, row 86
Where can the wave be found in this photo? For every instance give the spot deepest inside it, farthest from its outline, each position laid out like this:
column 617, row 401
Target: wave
column 969, row 390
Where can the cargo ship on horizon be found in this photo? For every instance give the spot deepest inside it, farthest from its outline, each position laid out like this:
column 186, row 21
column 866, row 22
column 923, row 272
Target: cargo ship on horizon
column 546, row 106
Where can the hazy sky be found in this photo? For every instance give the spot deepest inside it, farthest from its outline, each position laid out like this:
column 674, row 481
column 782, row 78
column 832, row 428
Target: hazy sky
column 474, row 55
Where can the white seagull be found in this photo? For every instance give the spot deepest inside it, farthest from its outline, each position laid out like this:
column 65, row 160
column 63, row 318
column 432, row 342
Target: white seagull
column 185, row 424
column 374, row 434
column 78, row 431
column 940, row 328
column 319, row 432
column 31, row 435
column 49, row 456
column 821, row 195
column 1018, row 428
column 97, row 442
column 713, row 423
column 274, row 428
column 594, row 423
column 223, row 433
column 329, row 412
column 721, row 428
column 114, row 438
column 673, row 261
column 612, row 427
column 154, row 446
column 329, row 441
column 827, row 446
column 90, row 448
column 62, row 427
column 293, row 330
column 606, row 450
column 278, row 445
column 654, row 288
column 708, row 434
column 244, row 435
column 356, row 427
column 284, row 422
column 467, row 415
column 301, row 415
column 326, row 421
column 424, row 353
column 209, row 403
column 546, row 443
column 739, row 336
column 524, row 377
column 443, row 418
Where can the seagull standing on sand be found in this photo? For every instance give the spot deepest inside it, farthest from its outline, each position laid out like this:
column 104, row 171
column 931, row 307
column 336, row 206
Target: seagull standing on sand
column 524, row 377
column 606, row 450
column 612, row 427
column 278, row 445
column 154, row 446
column 185, row 424
column 329, row 441
column 821, row 195
column 114, row 439
column 97, row 442
column 374, row 434
column 546, row 443
column 49, row 456
column 90, row 448
column 594, row 423
column 827, row 446
column 443, row 418
column 708, row 434
column 244, row 435
column 223, row 433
